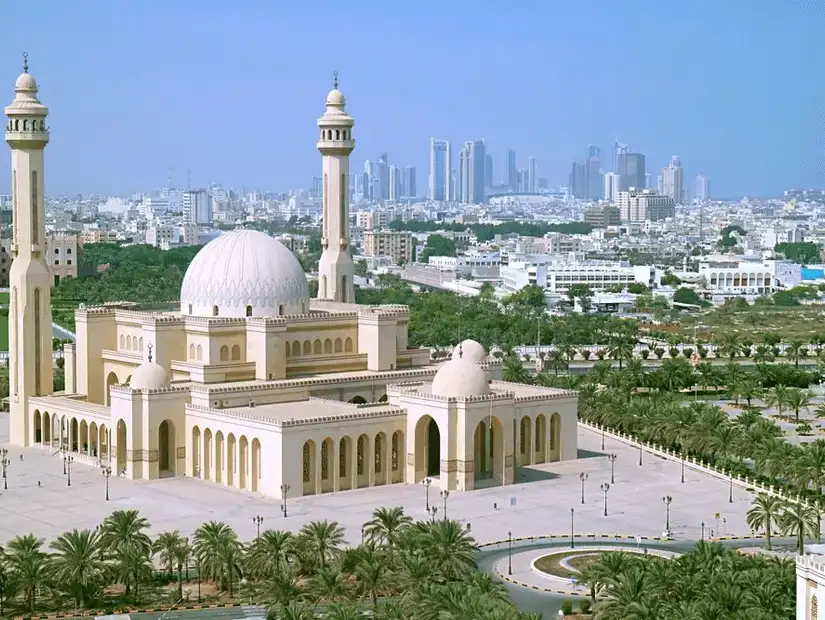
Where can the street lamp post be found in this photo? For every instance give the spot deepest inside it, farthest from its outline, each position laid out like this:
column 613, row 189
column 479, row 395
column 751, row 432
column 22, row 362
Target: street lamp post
column 602, row 436
column 6, row 462
column 730, row 492
column 612, row 458
column 69, row 461
column 667, row 500
column 605, row 487
column 510, row 553
column 444, row 495
column 427, row 482
column 703, row 530
column 63, row 452
column 432, row 512
column 107, row 472
column 640, row 454
column 583, row 478
column 363, row 534
column 284, row 491
column 257, row 520
column 572, row 539
column 683, row 468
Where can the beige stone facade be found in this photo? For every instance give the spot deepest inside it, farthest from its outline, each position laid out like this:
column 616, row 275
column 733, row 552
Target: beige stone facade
column 62, row 256
column 398, row 246
column 253, row 386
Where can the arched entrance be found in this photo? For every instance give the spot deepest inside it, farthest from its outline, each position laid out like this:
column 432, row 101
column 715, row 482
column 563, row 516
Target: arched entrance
column 243, row 467
column 166, row 448
column 358, row 400
column 555, row 437
column 541, row 439
column 427, row 448
column 73, row 435
column 488, row 450
column 525, row 449
column 47, row 429
column 38, row 426
column 111, row 380
column 308, row 467
column 231, row 457
column 345, row 463
column 256, row 463
column 206, row 470
column 121, row 447
column 219, row 457
column 196, row 452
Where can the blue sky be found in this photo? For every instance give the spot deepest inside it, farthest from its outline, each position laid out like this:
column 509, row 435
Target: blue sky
column 232, row 90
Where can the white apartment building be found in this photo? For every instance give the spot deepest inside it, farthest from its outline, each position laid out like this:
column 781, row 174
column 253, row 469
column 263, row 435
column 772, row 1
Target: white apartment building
column 743, row 276
column 166, row 236
column 472, row 262
column 197, row 207
column 556, row 275
column 396, row 245
column 645, row 205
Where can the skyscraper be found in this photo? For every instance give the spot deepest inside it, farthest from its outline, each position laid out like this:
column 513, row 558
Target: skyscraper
column 409, row 190
column 578, row 180
column 532, row 175
column 631, row 169
column 441, row 172
column 611, row 187
column 197, row 206
column 673, row 179
column 488, row 169
column 593, row 173
column 395, row 185
column 702, row 188
column 472, row 172
column 512, row 171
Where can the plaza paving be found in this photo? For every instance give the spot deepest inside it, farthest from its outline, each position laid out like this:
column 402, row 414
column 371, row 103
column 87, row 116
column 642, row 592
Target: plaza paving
column 533, row 508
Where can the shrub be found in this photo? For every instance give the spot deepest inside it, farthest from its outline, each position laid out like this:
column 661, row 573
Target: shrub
column 600, row 354
column 673, row 352
column 585, row 605
column 702, row 351
column 567, row 607
column 687, row 352
column 659, row 352
column 645, row 353
column 586, row 353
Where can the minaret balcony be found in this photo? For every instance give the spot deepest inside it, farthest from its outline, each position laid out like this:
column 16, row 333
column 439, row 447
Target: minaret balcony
column 22, row 138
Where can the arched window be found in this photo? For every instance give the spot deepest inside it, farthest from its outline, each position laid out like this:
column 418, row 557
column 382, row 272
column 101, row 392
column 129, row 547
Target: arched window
column 296, row 349
column 359, row 456
column 327, row 346
column 339, row 346
column 394, row 448
column 128, row 343
column 191, row 351
column 190, row 309
column 281, row 310
column 236, row 352
column 344, row 134
column 307, row 347
column 378, row 448
column 317, row 347
column 325, row 460
column 224, row 353
column 214, row 310
column 140, row 344
column 348, row 345
column 249, row 311
column 122, row 341
column 199, row 353
column 25, row 125
column 337, row 134
column 306, row 464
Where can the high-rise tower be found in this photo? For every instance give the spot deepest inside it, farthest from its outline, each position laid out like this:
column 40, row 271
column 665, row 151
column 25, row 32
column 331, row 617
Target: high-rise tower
column 335, row 269
column 30, row 311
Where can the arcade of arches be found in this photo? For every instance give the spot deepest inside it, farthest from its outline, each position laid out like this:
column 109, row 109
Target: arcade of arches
column 231, row 459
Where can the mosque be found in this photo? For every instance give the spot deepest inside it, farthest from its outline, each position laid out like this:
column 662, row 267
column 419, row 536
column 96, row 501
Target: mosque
column 251, row 384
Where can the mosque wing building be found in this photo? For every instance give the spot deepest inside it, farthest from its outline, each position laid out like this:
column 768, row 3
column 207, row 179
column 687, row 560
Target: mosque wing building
column 252, row 384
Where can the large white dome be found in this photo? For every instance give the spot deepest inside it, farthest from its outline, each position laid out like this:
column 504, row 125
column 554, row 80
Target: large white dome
column 149, row 376
column 460, row 378
column 244, row 273
column 471, row 350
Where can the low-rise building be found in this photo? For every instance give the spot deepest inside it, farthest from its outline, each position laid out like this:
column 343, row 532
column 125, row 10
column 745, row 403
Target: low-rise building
column 62, row 250
column 602, row 216
column 645, row 206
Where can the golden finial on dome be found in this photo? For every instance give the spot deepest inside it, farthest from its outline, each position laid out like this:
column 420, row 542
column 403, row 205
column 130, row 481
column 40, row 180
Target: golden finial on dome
column 335, row 80
column 25, row 62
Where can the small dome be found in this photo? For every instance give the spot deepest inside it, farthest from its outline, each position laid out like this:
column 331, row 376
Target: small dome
column 26, row 82
column 149, row 376
column 460, row 378
column 470, row 350
column 336, row 98
column 244, row 273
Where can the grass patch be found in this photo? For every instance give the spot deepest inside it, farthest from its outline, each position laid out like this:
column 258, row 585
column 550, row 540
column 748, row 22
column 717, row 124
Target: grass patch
column 578, row 560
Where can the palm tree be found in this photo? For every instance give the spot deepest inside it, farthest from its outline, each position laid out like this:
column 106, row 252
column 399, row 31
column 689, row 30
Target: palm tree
column 777, row 398
column 728, row 344
column 450, row 548
column 556, row 361
column 800, row 520
column 166, row 547
column 371, row 575
column 794, row 351
column 750, row 389
column 218, row 551
column 707, row 375
column 269, row 554
column 763, row 354
column 386, row 525
column 123, row 536
column 294, row 610
column 620, row 347
column 513, row 370
column 798, row 399
column 29, row 565
column 324, row 539
column 765, row 511
column 812, row 464
column 78, row 567
column 328, row 584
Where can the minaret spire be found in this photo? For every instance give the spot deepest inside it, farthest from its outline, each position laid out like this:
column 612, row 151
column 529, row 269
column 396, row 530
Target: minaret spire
column 25, row 62
column 335, row 269
column 150, row 351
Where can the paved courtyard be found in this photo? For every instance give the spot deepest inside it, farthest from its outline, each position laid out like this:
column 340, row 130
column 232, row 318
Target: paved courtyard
column 540, row 506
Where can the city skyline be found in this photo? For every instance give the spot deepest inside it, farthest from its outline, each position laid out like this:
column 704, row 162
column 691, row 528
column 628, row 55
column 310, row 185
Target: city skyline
column 166, row 105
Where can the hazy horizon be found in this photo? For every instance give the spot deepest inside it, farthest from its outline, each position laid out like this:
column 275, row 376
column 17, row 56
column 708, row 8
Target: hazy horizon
column 231, row 91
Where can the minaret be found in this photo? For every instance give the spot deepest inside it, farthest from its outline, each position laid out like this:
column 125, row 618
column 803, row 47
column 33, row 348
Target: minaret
column 335, row 269
column 30, row 310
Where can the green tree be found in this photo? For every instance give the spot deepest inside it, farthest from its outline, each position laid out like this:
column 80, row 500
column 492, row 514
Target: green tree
column 764, row 513
column 29, row 564
column 800, row 520
column 78, row 566
column 437, row 245
column 218, row 552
